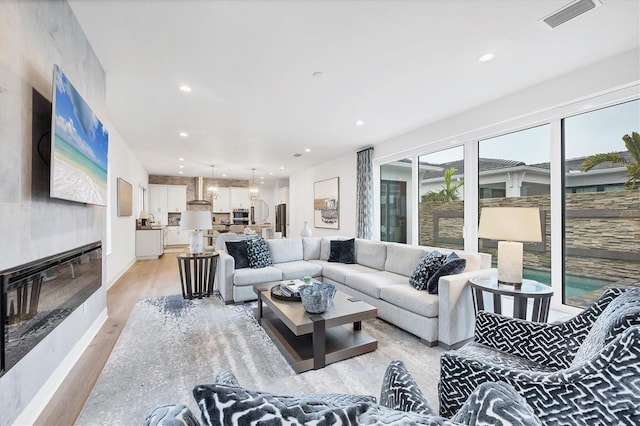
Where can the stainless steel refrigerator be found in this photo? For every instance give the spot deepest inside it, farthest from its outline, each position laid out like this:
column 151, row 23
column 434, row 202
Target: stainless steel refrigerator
column 281, row 219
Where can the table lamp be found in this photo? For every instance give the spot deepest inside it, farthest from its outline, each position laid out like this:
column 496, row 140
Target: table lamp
column 196, row 220
column 511, row 226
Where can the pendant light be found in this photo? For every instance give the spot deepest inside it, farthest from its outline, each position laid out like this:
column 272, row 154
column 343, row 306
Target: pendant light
column 254, row 191
column 213, row 188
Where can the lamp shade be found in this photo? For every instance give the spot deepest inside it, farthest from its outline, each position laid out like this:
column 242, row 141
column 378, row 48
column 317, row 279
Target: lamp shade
column 195, row 219
column 510, row 224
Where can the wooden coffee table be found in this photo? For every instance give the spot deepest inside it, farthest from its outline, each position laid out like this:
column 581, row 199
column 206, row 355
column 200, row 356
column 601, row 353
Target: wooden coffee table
column 311, row 341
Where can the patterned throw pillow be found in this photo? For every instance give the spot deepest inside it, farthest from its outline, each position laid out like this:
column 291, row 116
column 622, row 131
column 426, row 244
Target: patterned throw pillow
column 426, row 267
column 258, row 253
column 228, row 405
column 343, row 251
column 238, row 250
column 451, row 266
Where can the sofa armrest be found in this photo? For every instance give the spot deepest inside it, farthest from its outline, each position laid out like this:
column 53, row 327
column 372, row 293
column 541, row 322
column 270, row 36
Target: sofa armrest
column 456, row 315
column 226, row 268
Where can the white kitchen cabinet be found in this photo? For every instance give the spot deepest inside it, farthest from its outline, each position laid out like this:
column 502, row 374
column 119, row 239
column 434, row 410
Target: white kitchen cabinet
column 149, row 243
column 240, row 198
column 158, row 203
column 166, row 198
column 177, row 236
column 176, row 198
column 223, row 203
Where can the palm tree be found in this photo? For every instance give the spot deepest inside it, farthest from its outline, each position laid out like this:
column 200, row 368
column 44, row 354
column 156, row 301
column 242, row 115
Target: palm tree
column 633, row 167
column 448, row 192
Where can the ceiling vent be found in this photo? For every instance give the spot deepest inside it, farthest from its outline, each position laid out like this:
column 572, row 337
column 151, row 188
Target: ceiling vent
column 569, row 12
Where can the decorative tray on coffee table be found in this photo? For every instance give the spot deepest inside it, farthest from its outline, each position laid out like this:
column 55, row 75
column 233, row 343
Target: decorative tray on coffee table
column 277, row 293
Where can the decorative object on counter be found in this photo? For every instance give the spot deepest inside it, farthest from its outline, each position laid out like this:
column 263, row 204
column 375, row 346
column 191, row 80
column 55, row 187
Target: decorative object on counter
column 254, row 191
column 307, row 279
column 326, row 203
column 284, row 292
column 144, row 217
column 317, row 297
column 213, row 188
column 306, row 230
column 511, row 226
column 196, row 220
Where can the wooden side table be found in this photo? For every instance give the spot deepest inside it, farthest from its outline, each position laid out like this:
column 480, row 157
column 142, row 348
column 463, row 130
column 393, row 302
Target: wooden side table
column 540, row 293
column 197, row 274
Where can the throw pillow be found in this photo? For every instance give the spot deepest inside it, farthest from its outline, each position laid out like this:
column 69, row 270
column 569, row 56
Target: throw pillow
column 426, row 267
column 343, row 251
column 258, row 253
column 238, row 250
column 226, row 405
column 451, row 266
column 171, row 415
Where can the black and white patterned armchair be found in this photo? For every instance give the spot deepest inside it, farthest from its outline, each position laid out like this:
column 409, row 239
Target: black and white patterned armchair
column 583, row 371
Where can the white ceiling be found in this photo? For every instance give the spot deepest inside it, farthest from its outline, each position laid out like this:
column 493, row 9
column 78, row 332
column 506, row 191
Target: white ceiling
column 396, row 65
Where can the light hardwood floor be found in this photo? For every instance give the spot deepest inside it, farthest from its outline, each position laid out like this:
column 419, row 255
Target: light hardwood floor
column 146, row 278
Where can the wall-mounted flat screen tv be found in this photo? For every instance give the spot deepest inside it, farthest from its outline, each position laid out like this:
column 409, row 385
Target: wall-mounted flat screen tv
column 79, row 147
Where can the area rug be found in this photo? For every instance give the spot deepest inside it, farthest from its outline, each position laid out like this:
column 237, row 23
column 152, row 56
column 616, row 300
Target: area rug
column 169, row 345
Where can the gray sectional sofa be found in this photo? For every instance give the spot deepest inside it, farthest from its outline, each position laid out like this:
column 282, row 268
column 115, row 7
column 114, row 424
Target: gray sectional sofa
column 380, row 277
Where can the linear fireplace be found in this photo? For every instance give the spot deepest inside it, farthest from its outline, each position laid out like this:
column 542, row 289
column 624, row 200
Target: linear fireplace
column 38, row 296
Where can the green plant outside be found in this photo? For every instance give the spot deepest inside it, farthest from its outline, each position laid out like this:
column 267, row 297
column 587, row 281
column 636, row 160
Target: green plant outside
column 449, row 191
column 632, row 143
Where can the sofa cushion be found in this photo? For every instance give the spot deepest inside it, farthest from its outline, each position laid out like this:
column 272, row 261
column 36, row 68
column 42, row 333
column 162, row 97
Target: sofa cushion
column 226, row 405
column 249, row 276
column 371, row 253
column 473, row 260
column 311, row 248
column 285, row 249
column 339, row 272
column 402, row 259
column 408, row 298
column 238, row 250
column 343, row 251
column 451, row 266
column 298, row 269
column 258, row 253
column 427, row 266
column 372, row 282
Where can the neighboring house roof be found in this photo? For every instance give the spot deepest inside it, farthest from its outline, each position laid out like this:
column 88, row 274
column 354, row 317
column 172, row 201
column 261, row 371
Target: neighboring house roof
column 434, row 171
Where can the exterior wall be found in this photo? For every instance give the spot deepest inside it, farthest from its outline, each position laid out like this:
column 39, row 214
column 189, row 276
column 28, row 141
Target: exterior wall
column 602, row 231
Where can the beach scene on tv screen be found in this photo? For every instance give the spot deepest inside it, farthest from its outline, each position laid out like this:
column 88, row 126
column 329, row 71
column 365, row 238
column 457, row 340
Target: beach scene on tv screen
column 79, row 147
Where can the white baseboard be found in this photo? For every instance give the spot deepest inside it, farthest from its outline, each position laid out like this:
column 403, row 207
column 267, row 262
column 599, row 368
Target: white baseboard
column 115, row 279
column 31, row 412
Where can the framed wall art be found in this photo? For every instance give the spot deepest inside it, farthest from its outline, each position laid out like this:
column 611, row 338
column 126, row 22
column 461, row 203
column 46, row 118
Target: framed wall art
column 326, row 203
column 124, row 198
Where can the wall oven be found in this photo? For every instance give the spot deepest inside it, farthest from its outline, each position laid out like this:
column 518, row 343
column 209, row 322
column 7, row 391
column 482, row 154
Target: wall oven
column 241, row 217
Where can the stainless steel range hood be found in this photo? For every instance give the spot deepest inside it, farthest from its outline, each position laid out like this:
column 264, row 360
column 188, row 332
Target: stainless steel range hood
column 200, row 200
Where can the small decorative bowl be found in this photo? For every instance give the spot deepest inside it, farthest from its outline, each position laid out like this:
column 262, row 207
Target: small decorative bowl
column 317, row 297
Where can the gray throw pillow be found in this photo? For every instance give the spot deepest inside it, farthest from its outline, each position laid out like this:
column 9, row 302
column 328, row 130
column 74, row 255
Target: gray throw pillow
column 343, row 251
column 220, row 404
column 426, row 267
column 451, row 266
column 238, row 250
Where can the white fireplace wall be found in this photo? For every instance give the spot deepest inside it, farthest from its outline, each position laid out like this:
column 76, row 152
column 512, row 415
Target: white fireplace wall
column 34, row 36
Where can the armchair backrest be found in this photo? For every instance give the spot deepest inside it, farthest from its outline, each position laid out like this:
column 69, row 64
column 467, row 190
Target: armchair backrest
column 620, row 314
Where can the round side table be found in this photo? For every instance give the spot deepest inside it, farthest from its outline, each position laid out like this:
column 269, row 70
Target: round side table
column 197, row 274
column 538, row 292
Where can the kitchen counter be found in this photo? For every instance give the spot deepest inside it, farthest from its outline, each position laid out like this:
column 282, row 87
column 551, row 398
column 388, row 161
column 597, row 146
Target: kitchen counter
column 149, row 242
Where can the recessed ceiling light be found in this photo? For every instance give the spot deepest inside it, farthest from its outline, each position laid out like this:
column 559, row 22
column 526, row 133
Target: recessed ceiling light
column 486, row 57
column 281, row 167
column 318, row 75
column 180, row 172
column 224, row 175
column 180, row 159
column 270, row 173
column 359, row 123
column 181, row 166
column 307, row 150
column 184, row 88
column 183, row 134
column 261, row 177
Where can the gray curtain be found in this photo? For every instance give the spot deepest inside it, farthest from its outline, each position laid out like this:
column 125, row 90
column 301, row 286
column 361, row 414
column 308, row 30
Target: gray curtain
column 364, row 194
